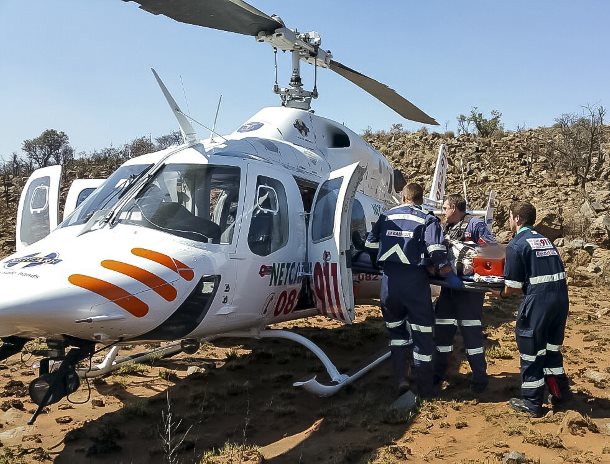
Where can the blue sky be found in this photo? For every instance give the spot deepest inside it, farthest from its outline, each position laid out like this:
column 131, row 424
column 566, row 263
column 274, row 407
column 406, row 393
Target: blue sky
column 83, row 66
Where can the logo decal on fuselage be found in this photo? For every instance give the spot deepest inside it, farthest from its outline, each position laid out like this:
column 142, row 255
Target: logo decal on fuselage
column 35, row 259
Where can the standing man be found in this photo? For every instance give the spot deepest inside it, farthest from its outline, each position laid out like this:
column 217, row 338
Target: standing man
column 461, row 307
column 533, row 266
column 404, row 240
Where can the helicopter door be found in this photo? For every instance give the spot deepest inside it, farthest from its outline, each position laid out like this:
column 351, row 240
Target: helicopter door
column 79, row 191
column 37, row 213
column 329, row 243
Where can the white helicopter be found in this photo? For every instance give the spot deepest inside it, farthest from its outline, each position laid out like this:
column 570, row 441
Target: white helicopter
column 213, row 238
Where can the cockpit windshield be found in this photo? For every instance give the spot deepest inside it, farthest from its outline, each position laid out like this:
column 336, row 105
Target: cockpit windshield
column 107, row 194
column 193, row 201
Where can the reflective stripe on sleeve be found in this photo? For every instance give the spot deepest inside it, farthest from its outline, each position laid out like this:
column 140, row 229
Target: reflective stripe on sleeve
column 553, row 371
column 547, row 278
column 423, row 357
column 395, row 249
column 513, row 284
column 393, row 325
column 473, row 351
column 374, row 245
column 533, row 384
column 444, row 349
column 400, row 342
column 445, row 321
column 432, row 248
column 469, row 322
column 551, row 347
column 407, row 217
column 421, row 328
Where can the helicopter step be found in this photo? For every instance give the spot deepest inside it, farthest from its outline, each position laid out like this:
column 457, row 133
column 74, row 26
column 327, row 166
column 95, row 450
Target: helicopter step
column 338, row 379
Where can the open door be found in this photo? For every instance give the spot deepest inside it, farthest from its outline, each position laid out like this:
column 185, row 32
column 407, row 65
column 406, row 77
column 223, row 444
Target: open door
column 329, row 243
column 79, row 191
column 37, row 212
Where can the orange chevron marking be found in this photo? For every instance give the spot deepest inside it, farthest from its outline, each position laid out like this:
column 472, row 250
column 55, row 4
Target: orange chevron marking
column 117, row 295
column 149, row 279
column 179, row 267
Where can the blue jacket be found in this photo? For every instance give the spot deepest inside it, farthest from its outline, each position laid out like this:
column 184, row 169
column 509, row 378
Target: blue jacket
column 533, row 264
column 406, row 234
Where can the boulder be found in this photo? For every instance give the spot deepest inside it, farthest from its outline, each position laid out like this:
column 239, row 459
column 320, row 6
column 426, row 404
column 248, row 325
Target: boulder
column 549, row 225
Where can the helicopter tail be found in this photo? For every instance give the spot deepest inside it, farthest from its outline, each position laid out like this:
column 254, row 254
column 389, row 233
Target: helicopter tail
column 434, row 200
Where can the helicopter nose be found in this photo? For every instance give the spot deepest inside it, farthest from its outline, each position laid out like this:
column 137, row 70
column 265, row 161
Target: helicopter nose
column 31, row 307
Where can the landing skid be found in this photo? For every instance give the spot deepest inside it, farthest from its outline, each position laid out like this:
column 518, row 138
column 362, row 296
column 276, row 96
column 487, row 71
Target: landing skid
column 111, row 362
column 312, row 385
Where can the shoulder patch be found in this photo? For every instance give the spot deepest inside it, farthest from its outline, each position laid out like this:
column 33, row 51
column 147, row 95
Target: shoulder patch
column 544, row 253
column 540, row 243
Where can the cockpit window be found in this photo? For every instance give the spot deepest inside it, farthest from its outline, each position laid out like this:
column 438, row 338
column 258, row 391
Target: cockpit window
column 193, row 201
column 106, row 196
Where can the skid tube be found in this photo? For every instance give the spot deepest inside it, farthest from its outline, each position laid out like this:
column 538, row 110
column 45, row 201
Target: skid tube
column 312, row 385
column 111, row 362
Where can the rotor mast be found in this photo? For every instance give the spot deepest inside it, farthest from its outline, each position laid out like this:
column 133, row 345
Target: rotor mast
column 302, row 46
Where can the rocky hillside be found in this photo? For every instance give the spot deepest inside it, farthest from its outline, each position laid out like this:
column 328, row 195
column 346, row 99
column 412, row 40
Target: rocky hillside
column 513, row 165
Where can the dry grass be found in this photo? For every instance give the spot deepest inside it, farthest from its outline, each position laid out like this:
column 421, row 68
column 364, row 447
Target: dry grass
column 546, row 440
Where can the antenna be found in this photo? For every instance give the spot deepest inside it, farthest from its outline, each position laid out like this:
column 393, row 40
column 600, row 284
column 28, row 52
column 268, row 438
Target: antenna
column 215, row 118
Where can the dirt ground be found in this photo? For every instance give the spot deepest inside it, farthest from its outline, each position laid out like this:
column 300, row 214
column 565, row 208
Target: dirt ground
column 242, row 407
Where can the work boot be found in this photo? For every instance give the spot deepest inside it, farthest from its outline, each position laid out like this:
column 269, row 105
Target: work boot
column 521, row 405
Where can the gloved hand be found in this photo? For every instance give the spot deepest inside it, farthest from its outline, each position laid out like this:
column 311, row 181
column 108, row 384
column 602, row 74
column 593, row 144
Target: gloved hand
column 453, row 281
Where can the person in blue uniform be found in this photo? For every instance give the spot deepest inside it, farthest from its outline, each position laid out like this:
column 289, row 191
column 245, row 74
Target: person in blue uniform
column 461, row 308
column 533, row 267
column 404, row 241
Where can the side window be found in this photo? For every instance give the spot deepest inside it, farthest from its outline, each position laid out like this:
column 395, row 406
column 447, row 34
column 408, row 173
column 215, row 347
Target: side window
column 358, row 225
column 324, row 210
column 269, row 226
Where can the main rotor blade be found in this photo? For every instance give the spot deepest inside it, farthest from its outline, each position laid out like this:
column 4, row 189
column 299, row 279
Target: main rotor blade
column 383, row 93
column 226, row 15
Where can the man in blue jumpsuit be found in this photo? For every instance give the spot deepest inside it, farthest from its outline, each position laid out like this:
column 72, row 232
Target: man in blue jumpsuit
column 533, row 266
column 460, row 307
column 404, row 240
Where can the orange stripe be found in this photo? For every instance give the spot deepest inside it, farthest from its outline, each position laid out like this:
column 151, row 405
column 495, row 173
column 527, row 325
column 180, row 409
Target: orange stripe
column 142, row 275
column 167, row 261
column 117, row 295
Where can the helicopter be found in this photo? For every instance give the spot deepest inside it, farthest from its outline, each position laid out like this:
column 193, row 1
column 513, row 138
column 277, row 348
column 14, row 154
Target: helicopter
column 212, row 238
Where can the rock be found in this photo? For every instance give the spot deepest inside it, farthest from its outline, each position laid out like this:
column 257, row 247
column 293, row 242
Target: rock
column 195, row 370
column 590, row 247
column 63, row 420
column 598, row 378
column 598, row 207
column 513, row 457
column 98, row 403
column 576, row 243
column 576, row 424
column 549, row 225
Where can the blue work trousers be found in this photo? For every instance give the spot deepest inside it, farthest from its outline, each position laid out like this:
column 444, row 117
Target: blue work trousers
column 407, row 310
column 464, row 309
column 540, row 328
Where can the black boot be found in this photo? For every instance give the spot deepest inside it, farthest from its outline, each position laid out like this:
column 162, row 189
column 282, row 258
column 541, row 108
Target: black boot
column 521, row 405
